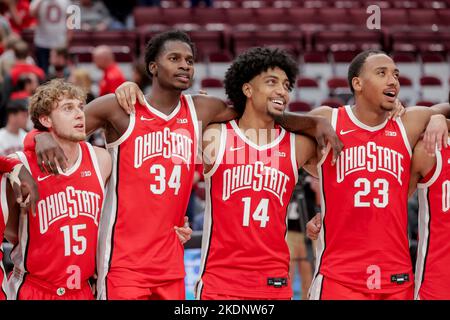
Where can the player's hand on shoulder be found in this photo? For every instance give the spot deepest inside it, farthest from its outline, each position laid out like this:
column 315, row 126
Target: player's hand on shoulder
column 398, row 111
column 24, row 186
column 49, row 154
column 127, row 94
column 313, row 227
column 184, row 233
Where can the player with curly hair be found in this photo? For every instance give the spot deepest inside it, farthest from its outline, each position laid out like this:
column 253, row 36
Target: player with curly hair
column 251, row 166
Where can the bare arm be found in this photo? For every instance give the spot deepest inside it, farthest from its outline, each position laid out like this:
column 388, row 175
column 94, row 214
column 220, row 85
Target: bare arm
column 212, row 110
column 34, row 8
column 306, row 152
column 421, row 165
column 12, row 224
column 105, row 163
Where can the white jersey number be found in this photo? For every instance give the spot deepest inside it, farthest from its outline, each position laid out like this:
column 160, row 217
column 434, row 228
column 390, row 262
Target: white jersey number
column 260, row 213
column 381, row 185
column 446, row 196
column 160, row 177
column 74, row 243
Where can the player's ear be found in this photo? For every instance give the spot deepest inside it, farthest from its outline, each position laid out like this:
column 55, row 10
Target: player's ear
column 153, row 68
column 356, row 83
column 247, row 89
column 46, row 121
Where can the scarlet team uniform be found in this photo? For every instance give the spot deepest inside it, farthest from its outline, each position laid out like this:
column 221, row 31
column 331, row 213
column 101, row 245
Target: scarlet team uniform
column 433, row 257
column 244, row 249
column 4, row 212
column 55, row 255
column 363, row 249
column 140, row 255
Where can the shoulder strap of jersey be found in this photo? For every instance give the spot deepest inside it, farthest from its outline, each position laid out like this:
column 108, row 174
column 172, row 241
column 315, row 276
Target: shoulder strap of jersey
column 220, row 152
column 96, row 164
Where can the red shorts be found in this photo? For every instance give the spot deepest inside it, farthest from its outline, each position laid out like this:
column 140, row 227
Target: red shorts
column 332, row 290
column 218, row 296
column 33, row 289
column 171, row 290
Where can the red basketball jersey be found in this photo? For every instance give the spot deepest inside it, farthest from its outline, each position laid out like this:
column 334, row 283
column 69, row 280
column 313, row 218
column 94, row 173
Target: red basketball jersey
column 433, row 256
column 4, row 212
column 244, row 249
column 363, row 243
column 59, row 244
column 148, row 194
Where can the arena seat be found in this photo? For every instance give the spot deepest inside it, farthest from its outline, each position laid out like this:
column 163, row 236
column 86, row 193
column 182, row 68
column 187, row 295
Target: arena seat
column 148, row 15
column 423, row 17
column 315, row 64
column 308, row 89
column 432, row 89
column 408, row 92
column 332, row 102
column 299, row 106
column 213, row 87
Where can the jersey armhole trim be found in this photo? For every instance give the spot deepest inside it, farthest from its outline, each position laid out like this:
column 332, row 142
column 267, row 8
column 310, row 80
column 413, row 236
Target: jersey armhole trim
column 125, row 135
column 404, row 135
column 220, row 153
column 96, row 164
column 24, row 160
column 436, row 173
column 4, row 201
column 294, row 156
column 193, row 112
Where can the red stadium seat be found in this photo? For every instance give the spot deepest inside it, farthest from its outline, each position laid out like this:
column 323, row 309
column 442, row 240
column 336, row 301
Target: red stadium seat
column 405, row 4
column 333, row 102
column 423, row 17
column 394, row 18
column 205, row 16
column 173, row 16
column 236, row 16
column 299, row 106
column 430, row 81
column 211, row 83
column 404, row 81
column 337, row 83
column 425, row 103
column 220, row 56
column 147, row 15
column 207, row 42
column 266, row 16
column 305, row 82
column 303, row 16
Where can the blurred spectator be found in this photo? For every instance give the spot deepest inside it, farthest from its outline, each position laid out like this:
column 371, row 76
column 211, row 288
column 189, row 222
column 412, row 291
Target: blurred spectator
column 21, row 66
column 113, row 77
column 51, row 31
column 8, row 58
column 59, row 64
column 121, row 13
column 140, row 76
column 25, row 87
column 81, row 78
column 18, row 14
column 94, row 15
column 195, row 3
column 149, row 3
column 11, row 136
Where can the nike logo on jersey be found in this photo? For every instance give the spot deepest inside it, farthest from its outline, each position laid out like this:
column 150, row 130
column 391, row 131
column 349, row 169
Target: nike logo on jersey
column 43, row 178
column 235, row 149
column 182, row 120
column 281, row 154
column 345, row 132
column 147, row 119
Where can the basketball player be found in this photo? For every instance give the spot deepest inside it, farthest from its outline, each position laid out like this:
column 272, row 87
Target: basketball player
column 154, row 152
column 363, row 249
column 22, row 185
column 251, row 168
column 55, row 252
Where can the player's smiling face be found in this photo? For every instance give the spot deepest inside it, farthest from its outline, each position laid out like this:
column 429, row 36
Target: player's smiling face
column 379, row 81
column 67, row 120
column 174, row 66
column 270, row 91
